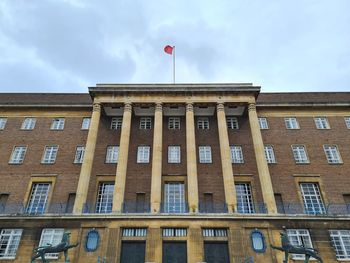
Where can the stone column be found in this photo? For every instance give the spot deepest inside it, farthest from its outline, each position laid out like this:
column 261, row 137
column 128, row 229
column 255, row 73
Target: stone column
column 226, row 162
column 120, row 177
column 263, row 169
column 192, row 180
column 86, row 167
column 156, row 184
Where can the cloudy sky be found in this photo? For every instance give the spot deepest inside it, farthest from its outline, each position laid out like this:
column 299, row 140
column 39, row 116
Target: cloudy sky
column 69, row 45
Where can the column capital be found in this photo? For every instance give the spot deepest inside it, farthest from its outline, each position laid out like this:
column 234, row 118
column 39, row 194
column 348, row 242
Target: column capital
column 127, row 106
column 96, row 107
column 251, row 107
column 159, row 106
column 220, row 106
column 189, row 106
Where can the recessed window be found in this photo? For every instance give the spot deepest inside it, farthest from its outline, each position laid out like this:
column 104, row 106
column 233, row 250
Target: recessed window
column 145, row 123
column 174, row 232
column 134, row 232
column 321, row 123
column 236, row 154
column 143, row 153
column 38, row 198
column 3, row 123
column 299, row 237
column 85, row 124
column 347, row 122
column 51, row 236
column 244, row 198
column 92, row 241
column 263, row 123
column 50, row 154
column 57, row 124
column 232, row 123
column 341, row 243
column 269, row 154
column 174, row 197
column 104, row 202
column 332, row 154
column 203, row 123
column 9, row 242
column 174, row 154
column 214, row 232
column 291, row 123
column 205, row 154
column 313, row 202
column 18, row 154
column 174, row 123
column 28, row 124
column 112, row 154
column 258, row 241
column 79, row 154
column 300, row 155
column 116, row 123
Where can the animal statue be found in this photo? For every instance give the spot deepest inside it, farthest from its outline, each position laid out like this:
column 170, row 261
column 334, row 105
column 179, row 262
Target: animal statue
column 63, row 246
column 287, row 248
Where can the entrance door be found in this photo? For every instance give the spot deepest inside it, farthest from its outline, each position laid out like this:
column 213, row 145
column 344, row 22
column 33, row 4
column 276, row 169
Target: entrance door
column 133, row 252
column 216, row 252
column 174, row 252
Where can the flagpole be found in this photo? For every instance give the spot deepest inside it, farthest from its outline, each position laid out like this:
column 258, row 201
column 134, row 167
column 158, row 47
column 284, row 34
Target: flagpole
column 174, row 64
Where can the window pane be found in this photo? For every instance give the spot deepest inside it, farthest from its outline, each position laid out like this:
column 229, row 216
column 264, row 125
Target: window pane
column 205, row 154
column 112, row 154
column 9, row 241
column 18, row 154
column 174, row 198
column 38, row 198
column 116, row 123
column 28, row 124
column 143, row 153
column 299, row 154
column 174, row 154
column 79, row 154
column 236, row 154
column 174, row 123
column 50, row 154
column 244, row 198
column 85, row 123
column 232, row 123
column 105, row 198
column 145, row 123
column 312, row 198
column 57, row 124
column 263, row 123
column 203, row 123
column 51, row 236
column 332, row 153
column 3, row 123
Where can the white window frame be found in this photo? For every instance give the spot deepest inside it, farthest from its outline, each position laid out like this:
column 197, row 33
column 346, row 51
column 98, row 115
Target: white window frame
column 58, row 124
column 205, row 155
column 79, row 154
column 116, row 123
column 347, row 122
column 28, row 123
column 52, row 236
column 263, row 123
column 332, row 154
column 312, row 198
column 299, row 237
column 145, row 123
column 174, row 154
column 244, row 195
column 50, row 154
column 143, row 153
column 203, row 123
column 341, row 243
column 104, row 202
column 3, row 122
column 300, row 154
column 18, row 154
column 85, row 123
column 112, row 154
column 174, row 123
column 232, row 123
column 38, row 198
column 174, row 197
column 291, row 123
column 9, row 242
column 270, row 154
column 322, row 123
column 236, row 154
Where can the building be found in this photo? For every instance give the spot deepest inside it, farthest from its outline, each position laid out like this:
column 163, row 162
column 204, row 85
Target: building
column 175, row 173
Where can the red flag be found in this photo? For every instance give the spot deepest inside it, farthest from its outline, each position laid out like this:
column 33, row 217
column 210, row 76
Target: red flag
column 168, row 49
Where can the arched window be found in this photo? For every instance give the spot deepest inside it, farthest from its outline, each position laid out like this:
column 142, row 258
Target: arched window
column 92, row 241
column 258, row 241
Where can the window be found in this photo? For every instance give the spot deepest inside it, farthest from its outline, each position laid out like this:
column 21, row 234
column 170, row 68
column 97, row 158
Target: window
column 51, row 236
column 143, row 154
column 322, row 123
column 258, row 241
column 341, row 243
column 174, row 154
column 232, row 123
column 134, row 232
column 347, row 122
column 9, row 241
column 236, row 154
column 18, row 154
column 299, row 153
column 263, row 123
column 270, row 154
column 38, row 198
column 70, row 203
column 145, row 123
column 112, row 154
column 105, row 198
column 299, row 237
column 174, row 232
column 174, row 123
column 174, row 197
column 57, row 124
column 50, row 154
column 205, row 154
column 79, row 154
column 291, row 123
column 85, row 124
column 92, row 241
column 116, row 123
column 312, row 199
column 244, row 198
column 3, row 123
column 28, row 124
column 332, row 153
column 214, row 232
column 203, row 123
column 3, row 202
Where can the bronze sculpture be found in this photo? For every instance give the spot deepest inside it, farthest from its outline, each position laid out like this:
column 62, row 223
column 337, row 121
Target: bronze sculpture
column 287, row 248
column 63, row 246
